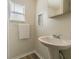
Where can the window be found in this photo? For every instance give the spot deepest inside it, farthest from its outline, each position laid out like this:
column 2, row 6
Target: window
column 17, row 12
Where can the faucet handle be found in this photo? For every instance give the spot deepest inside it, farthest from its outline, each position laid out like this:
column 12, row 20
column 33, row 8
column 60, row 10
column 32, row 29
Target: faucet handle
column 59, row 36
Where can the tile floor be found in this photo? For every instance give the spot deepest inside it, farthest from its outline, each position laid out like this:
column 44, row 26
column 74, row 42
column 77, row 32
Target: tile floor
column 32, row 56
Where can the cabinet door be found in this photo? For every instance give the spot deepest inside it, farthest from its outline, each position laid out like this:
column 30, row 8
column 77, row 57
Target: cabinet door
column 58, row 7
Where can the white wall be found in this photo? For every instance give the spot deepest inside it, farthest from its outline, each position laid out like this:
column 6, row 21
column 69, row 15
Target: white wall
column 17, row 47
column 59, row 25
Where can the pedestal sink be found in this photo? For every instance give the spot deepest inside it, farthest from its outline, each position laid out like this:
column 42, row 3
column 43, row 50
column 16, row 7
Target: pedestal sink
column 54, row 45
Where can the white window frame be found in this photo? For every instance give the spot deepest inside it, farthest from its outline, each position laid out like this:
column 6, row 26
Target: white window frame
column 17, row 12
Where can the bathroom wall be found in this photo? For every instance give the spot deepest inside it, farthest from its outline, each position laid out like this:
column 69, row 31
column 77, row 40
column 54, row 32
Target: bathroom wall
column 58, row 25
column 16, row 46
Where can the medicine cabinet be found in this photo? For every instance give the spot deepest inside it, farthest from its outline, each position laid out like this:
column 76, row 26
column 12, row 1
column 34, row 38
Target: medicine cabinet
column 58, row 7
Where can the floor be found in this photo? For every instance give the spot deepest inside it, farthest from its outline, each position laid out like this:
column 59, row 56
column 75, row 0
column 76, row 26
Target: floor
column 32, row 56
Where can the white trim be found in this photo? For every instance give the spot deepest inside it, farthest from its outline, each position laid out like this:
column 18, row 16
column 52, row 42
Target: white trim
column 20, row 56
column 40, row 56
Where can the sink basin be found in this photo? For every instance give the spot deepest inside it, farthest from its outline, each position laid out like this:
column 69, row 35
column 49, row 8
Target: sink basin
column 50, row 41
column 54, row 45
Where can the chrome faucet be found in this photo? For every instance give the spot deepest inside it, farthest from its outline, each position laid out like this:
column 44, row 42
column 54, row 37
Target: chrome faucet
column 57, row 36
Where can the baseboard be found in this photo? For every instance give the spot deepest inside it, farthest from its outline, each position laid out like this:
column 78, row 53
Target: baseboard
column 20, row 56
column 41, row 57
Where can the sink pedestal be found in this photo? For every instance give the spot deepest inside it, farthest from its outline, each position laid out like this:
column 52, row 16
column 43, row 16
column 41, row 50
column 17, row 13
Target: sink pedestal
column 54, row 53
